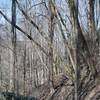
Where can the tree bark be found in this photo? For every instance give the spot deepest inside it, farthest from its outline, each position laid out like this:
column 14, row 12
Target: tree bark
column 51, row 36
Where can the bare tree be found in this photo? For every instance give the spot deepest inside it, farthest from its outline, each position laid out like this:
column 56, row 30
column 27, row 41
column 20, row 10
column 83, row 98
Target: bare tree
column 12, row 82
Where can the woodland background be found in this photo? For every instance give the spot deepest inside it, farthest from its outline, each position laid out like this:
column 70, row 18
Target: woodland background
column 50, row 49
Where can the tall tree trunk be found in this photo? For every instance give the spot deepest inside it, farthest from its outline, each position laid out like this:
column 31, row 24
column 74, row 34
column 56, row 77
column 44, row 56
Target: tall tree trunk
column 91, row 21
column 51, row 36
column 24, row 72
column 0, row 70
column 81, row 45
column 12, row 81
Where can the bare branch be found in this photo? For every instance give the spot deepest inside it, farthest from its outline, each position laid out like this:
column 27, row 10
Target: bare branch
column 31, row 21
column 27, row 35
column 62, row 21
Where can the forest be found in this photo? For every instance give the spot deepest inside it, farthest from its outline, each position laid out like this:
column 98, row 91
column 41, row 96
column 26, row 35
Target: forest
column 49, row 49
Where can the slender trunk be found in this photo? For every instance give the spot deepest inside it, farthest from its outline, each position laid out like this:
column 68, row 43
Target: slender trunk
column 91, row 20
column 51, row 36
column 14, row 45
column 92, row 35
column 76, row 54
column 37, row 78
column 24, row 72
column 0, row 71
column 31, row 81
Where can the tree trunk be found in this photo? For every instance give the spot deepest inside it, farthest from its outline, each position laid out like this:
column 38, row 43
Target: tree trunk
column 51, row 36
column 12, row 81
column 91, row 21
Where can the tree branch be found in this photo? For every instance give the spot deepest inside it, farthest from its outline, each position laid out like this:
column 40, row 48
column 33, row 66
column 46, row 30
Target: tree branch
column 31, row 21
column 16, row 26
